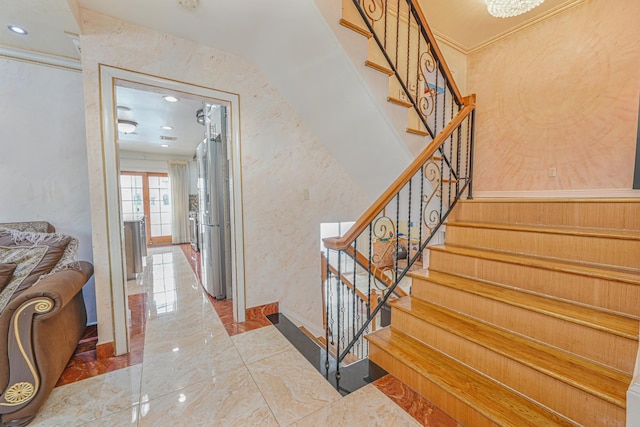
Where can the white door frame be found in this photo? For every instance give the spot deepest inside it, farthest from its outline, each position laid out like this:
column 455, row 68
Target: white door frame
column 114, row 227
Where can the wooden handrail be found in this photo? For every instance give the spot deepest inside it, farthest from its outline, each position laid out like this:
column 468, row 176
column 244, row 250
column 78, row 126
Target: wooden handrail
column 342, row 243
column 445, row 67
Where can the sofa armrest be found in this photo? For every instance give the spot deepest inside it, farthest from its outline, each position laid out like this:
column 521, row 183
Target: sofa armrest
column 24, row 348
column 60, row 287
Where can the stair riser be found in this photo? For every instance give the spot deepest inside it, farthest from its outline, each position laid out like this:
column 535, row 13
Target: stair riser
column 596, row 345
column 596, row 214
column 450, row 404
column 598, row 250
column 577, row 404
column 607, row 294
column 351, row 15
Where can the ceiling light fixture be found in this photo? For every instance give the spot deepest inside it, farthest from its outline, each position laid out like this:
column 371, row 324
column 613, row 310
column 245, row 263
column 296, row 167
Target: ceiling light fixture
column 18, row 30
column 170, row 98
column 126, row 126
column 509, row 8
column 164, row 145
column 166, row 127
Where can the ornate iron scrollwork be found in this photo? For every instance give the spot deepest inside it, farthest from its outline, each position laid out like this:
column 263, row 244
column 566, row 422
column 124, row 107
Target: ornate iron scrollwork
column 432, row 173
column 374, row 9
column 426, row 99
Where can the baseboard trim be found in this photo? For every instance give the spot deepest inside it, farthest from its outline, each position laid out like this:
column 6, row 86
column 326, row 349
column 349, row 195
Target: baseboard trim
column 613, row 193
column 298, row 321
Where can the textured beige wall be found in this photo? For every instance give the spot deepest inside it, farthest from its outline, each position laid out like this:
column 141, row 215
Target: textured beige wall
column 561, row 94
column 280, row 158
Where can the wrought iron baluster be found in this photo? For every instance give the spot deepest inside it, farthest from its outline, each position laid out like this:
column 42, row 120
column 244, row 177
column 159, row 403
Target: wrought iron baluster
column 473, row 129
column 327, row 303
column 386, row 15
column 409, row 263
column 458, row 149
column 466, row 151
column 408, row 47
column 355, row 285
column 417, row 94
column 339, row 323
column 435, row 118
column 421, row 202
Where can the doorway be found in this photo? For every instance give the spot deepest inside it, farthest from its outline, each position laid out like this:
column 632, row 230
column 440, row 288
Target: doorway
column 148, row 194
column 111, row 79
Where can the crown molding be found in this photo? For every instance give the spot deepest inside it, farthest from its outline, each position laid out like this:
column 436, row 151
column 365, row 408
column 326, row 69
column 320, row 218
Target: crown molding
column 569, row 4
column 40, row 58
column 443, row 39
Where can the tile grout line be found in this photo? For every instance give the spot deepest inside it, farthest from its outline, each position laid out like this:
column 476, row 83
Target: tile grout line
column 255, row 383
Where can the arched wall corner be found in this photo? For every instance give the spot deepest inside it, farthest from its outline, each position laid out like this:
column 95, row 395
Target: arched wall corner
column 106, row 220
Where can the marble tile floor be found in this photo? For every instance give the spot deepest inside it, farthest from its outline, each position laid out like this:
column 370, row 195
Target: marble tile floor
column 255, row 317
column 194, row 373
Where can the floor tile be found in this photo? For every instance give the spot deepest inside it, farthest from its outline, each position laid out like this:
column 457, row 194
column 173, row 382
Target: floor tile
column 291, row 386
column 260, row 343
column 170, row 371
column 425, row 412
column 367, row 406
column 226, row 400
column 128, row 417
column 91, row 399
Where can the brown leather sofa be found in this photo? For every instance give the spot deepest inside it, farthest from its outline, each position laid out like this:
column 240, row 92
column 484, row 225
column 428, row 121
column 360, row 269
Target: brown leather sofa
column 40, row 324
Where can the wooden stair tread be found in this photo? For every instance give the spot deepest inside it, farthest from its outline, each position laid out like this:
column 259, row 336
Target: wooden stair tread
column 501, row 405
column 542, row 262
column 355, row 27
column 417, row 132
column 400, row 102
column 618, row 324
column 349, row 358
column 547, row 229
column 312, row 337
column 378, row 67
column 596, row 379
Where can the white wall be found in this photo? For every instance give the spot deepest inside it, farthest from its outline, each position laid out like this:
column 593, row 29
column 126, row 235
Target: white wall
column 280, row 158
column 43, row 155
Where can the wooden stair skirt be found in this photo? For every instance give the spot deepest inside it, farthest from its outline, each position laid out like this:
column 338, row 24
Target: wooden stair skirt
column 527, row 316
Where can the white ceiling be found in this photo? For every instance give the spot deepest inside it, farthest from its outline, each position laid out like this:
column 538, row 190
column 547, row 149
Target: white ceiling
column 148, row 108
column 464, row 24
column 49, row 23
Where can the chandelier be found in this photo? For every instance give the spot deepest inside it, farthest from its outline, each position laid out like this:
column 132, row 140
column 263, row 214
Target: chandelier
column 509, row 8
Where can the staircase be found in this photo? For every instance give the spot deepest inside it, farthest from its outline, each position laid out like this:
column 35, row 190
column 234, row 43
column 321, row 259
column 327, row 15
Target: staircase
column 410, row 63
column 528, row 314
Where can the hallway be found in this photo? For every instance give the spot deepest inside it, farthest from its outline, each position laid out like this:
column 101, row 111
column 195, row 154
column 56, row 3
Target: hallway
column 194, row 373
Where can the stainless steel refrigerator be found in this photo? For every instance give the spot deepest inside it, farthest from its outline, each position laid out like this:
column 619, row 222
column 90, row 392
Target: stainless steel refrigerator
column 213, row 206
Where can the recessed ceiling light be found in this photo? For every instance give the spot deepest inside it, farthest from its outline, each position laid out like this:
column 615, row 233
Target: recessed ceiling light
column 166, row 127
column 164, row 145
column 18, row 30
column 170, row 98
